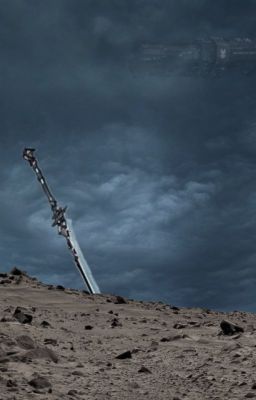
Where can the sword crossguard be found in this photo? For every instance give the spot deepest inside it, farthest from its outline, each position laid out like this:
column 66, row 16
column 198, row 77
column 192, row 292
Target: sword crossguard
column 28, row 154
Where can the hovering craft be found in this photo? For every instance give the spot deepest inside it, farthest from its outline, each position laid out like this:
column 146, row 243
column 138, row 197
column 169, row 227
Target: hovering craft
column 206, row 57
column 64, row 225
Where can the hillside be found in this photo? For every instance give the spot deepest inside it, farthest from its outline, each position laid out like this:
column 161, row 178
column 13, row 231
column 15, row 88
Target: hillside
column 58, row 343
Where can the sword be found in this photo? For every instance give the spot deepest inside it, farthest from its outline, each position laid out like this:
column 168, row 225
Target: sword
column 64, row 225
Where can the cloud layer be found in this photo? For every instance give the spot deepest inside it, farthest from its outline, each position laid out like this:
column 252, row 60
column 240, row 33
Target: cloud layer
column 158, row 173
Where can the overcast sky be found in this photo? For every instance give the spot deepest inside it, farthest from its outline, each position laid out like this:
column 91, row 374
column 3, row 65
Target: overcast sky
column 158, row 173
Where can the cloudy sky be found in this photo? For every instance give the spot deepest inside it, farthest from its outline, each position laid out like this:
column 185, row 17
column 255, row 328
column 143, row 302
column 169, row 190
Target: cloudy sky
column 158, row 173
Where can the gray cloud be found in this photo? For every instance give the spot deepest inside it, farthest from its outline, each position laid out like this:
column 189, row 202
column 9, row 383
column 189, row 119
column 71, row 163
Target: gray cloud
column 158, row 173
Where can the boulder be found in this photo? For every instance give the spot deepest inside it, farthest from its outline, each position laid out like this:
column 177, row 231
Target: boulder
column 228, row 328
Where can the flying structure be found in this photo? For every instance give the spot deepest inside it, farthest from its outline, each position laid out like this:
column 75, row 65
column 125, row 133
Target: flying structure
column 209, row 57
column 63, row 224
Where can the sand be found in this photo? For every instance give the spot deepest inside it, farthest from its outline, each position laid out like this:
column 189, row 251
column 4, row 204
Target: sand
column 58, row 343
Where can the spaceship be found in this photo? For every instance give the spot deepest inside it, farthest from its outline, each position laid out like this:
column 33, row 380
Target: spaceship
column 207, row 57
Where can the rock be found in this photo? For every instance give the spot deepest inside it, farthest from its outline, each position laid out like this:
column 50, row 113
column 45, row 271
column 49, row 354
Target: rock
column 5, row 281
column 11, row 383
column 38, row 353
column 249, row 395
column 53, row 342
column 195, row 324
column 72, row 392
column 3, row 275
column 228, row 328
column 253, row 386
column 173, row 337
column 144, row 369
column 25, row 342
column 174, row 308
column 78, row 373
column 21, row 316
column 179, row 326
column 123, row 356
column 115, row 322
column 60, row 287
column 40, row 383
column 5, row 319
column 120, row 300
column 16, row 271
column 45, row 324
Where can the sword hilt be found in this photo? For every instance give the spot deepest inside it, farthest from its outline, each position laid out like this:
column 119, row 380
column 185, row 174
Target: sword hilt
column 28, row 154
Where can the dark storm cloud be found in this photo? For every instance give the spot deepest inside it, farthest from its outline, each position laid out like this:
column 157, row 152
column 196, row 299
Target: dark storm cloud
column 158, row 173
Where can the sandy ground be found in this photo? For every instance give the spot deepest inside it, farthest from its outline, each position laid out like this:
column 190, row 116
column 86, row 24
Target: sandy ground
column 69, row 348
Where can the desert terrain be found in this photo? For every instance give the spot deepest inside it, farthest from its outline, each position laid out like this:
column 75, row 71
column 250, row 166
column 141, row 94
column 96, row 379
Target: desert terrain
column 58, row 343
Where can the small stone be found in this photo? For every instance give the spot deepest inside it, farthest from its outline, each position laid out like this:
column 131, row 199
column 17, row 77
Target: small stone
column 144, row 369
column 11, row 383
column 254, row 386
column 120, row 300
column 45, row 324
column 78, row 373
column 72, row 392
column 179, row 326
column 196, row 324
column 53, row 342
column 5, row 281
column 249, row 395
column 60, row 287
column 40, row 383
column 22, row 317
column 16, row 271
column 79, row 365
column 115, row 322
column 123, row 356
column 88, row 327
